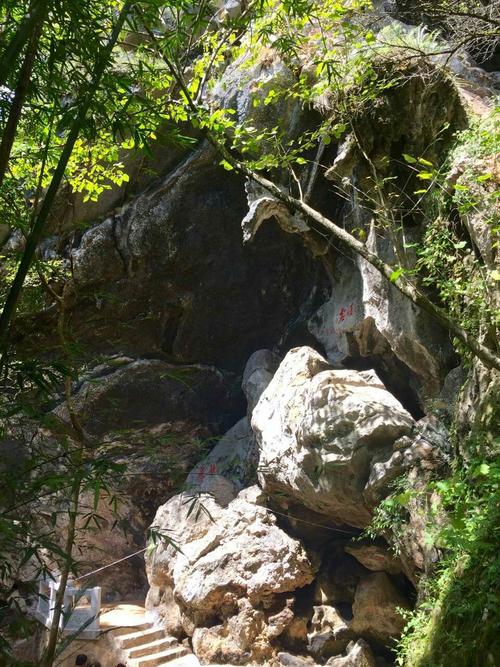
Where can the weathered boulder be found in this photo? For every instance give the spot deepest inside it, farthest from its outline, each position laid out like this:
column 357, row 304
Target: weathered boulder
column 375, row 557
column 318, row 430
column 359, row 654
column 376, row 608
column 243, row 637
column 230, row 576
column 229, row 467
column 329, row 633
column 258, row 373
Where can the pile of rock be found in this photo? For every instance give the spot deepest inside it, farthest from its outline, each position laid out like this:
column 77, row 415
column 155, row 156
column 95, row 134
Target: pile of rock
column 265, row 564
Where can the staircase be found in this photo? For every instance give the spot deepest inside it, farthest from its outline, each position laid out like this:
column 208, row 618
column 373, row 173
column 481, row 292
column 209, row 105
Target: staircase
column 146, row 646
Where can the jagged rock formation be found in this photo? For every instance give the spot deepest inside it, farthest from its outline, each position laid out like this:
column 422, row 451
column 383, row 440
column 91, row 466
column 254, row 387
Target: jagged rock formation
column 324, row 444
column 231, row 579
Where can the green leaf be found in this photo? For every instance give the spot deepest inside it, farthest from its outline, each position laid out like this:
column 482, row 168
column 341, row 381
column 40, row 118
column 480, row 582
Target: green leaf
column 425, row 162
column 425, row 175
column 226, row 165
column 396, row 274
column 409, row 158
column 482, row 470
column 484, row 177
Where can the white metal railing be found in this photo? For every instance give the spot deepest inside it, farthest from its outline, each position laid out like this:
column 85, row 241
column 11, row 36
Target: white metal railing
column 81, row 608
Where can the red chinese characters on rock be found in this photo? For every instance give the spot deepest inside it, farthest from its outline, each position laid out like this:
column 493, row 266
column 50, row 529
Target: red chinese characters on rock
column 345, row 312
column 203, row 472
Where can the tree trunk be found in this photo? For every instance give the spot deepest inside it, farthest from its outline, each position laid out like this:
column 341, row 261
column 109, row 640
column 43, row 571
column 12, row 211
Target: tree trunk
column 39, row 223
column 50, row 650
column 23, row 83
column 22, row 35
column 487, row 356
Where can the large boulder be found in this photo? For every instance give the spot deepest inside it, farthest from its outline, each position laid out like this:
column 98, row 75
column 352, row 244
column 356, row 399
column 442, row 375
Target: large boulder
column 378, row 609
column 359, row 654
column 230, row 574
column 319, row 429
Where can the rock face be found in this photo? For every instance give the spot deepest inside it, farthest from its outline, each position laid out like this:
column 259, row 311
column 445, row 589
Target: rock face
column 231, row 579
column 230, row 467
column 155, row 418
column 146, row 276
column 319, row 430
column 259, row 371
column 367, row 317
column 375, row 608
column 131, row 394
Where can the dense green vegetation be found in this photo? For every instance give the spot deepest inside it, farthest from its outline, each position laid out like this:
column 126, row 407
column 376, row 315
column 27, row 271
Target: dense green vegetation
column 457, row 620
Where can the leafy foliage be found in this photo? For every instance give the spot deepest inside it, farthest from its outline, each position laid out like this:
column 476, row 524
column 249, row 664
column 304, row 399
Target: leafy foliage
column 452, row 258
column 458, row 621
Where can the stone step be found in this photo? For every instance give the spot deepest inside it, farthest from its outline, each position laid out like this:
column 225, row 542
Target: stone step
column 161, row 658
column 142, row 637
column 127, row 629
column 155, row 646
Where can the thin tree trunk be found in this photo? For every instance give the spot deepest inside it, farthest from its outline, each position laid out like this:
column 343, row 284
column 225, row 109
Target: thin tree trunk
column 76, row 460
column 22, row 35
column 50, row 650
column 36, row 231
column 23, row 83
